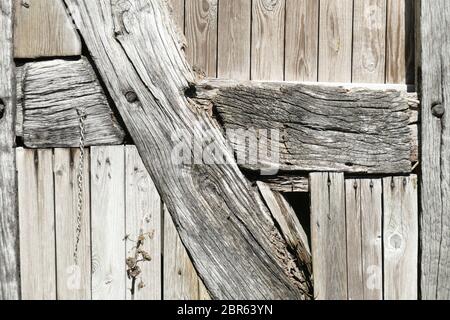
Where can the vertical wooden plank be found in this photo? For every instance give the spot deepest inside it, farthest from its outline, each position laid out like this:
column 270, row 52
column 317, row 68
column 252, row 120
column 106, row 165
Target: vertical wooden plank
column 43, row 29
column 176, row 8
column 354, row 239
column 36, row 224
column 234, row 39
column 372, row 245
column 433, row 49
column 364, row 234
column 328, row 238
column 401, row 238
column 201, row 35
column 335, row 40
column 180, row 278
column 400, row 41
column 9, row 231
column 73, row 280
column 369, row 41
column 108, row 222
column 268, row 32
column 143, row 217
column 302, row 37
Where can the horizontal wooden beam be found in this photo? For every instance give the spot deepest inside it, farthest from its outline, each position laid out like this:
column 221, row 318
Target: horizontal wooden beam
column 321, row 127
column 285, row 183
column 52, row 93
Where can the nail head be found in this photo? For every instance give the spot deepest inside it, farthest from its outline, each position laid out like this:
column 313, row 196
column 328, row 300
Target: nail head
column 438, row 110
column 131, row 96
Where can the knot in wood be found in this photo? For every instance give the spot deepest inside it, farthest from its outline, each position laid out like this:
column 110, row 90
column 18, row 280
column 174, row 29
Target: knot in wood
column 131, row 96
column 395, row 241
column 438, row 110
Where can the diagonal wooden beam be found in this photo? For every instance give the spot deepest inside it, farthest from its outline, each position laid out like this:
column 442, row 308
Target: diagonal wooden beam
column 9, row 244
column 230, row 234
column 433, row 66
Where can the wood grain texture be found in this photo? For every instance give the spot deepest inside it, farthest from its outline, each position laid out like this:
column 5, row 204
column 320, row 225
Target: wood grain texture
column 143, row 217
column 268, row 28
column 54, row 91
column 211, row 204
column 177, row 11
column 364, row 214
column 108, row 222
column 9, row 233
column 180, row 278
column 434, row 83
column 369, row 41
column 290, row 226
column 328, row 240
column 234, row 44
column 285, row 183
column 302, row 36
column 19, row 101
column 314, row 125
column 36, row 224
column 401, row 238
column 201, row 35
column 400, row 41
column 203, row 293
column 335, row 40
column 73, row 281
column 43, row 29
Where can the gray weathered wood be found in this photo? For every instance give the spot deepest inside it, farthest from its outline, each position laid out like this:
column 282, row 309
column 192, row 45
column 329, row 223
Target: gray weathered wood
column 320, row 127
column 400, row 238
column 268, row 31
column 19, row 101
column 289, row 224
column 180, row 278
column 364, row 212
column 234, row 39
column 73, row 280
column 9, row 233
column 177, row 12
column 335, row 40
column 302, row 36
column 143, row 217
column 108, row 223
column 328, row 240
column 400, row 41
column 43, row 29
column 434, row 88
column 203, row 293
column 201, row 35
column 369, row 41
column 221, row 219
column 286, row 183
column 53, row 92
column 37, row 224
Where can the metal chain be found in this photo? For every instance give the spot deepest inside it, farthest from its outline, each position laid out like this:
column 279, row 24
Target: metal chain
column 80, row 201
